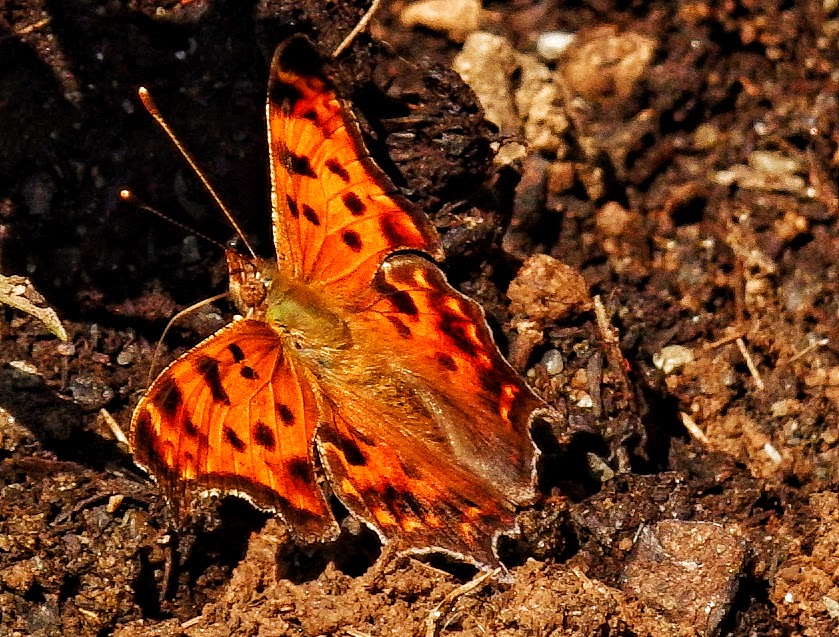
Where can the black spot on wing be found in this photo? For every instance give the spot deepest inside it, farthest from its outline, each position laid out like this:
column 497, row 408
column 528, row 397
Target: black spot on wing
column 284, row 95
column 299, row 164
column 292, row 207
column 412, row 503
column 189, row 428
column 403, row 303
column 310, row 115
column 145, row 440
column 263, row 436
column 353, row 203
column 403, row 330
column 335, row 167
column 285, row 414
column 470, row 503
column 310, row 215
column 233, row 438
column 385, row 287
column 352, row 452
column 454, row 327
column 209, row 371
column 446, row 361
column 352, row 240
column 393, row 230
column 491, row 382
column 402, row 504
column 236, row 351
column 248, row 373
column 171, row 398
column 300, row 469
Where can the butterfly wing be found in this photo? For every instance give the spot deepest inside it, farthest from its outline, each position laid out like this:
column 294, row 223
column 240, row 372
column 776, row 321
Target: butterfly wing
column 407, row 486
column 442, row 457
column 236, row 414
column 336, row 214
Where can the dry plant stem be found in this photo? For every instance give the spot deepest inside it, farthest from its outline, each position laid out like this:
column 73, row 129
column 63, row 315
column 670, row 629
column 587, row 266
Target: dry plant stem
column 611, row 342
column 433, row 622
column 750, row 363
column 189, row 623
column 18, row 292
column 723, row 341
column 362, row 24
column 693, row 429
column 116, row 430
column 40, row 24
column 815, row 345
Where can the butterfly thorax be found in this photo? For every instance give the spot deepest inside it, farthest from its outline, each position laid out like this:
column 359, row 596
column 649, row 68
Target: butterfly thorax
column 261, row 292
column 305, row 314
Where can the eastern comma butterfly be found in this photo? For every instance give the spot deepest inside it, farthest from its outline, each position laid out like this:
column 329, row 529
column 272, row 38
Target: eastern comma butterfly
column 356, row 370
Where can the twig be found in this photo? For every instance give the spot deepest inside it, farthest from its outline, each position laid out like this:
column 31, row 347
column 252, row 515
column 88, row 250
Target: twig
column 113, row 425
column 750, row 363
column 725, row 340
column 693, row 428
column 40, row 24
column 432, row 622
column 610, row 339
column 815, row 344
column 189, row 623
column 362, row 24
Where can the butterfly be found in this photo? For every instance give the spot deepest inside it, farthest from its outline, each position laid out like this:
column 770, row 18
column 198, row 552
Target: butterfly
column 355, row 369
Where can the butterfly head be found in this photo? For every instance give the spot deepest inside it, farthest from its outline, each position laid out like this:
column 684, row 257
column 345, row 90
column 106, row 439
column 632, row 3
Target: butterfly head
column 250, row 281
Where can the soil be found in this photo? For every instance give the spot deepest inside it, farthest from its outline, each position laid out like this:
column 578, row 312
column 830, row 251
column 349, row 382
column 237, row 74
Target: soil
column 688, row 178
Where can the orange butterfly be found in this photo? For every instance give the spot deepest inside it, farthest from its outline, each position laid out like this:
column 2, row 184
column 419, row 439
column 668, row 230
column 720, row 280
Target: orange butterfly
column 356, row 368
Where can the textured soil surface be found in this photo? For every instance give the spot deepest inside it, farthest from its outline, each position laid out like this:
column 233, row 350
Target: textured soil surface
column 674, row 170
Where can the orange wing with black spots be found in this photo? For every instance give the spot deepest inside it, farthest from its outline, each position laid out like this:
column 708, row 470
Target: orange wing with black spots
column 336, row 214
column 445, row 468
column 442, row 336
column 236, row 415
column 401, row 476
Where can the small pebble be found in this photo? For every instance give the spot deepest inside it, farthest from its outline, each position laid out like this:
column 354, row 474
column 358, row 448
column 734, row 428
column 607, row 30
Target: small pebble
column 553, row 362
column 550, row 45
column 672, row 357
column 457, row 18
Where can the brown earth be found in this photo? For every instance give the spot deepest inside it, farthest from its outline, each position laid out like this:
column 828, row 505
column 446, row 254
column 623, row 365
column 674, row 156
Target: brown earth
column 688, row 176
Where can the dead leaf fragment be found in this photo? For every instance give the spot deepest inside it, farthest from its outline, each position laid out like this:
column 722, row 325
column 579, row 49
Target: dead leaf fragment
column 19, row 293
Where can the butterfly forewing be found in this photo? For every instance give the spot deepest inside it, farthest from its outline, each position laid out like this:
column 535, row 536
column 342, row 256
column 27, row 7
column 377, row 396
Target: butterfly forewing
column 236, row 414
column 337, row 215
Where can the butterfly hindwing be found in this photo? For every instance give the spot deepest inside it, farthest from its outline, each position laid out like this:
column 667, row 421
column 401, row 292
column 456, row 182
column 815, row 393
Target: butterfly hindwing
column 443, row 338
column 336, row 214
column 403, row 481
column 236, row 414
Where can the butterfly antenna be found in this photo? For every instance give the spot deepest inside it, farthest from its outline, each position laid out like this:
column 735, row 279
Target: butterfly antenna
column 172, row 322
column 362, row 24
column 129, row 197
column 150, row 106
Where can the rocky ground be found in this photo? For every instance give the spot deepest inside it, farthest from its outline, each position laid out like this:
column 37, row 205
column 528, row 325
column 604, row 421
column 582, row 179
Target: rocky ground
column 680, row 157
